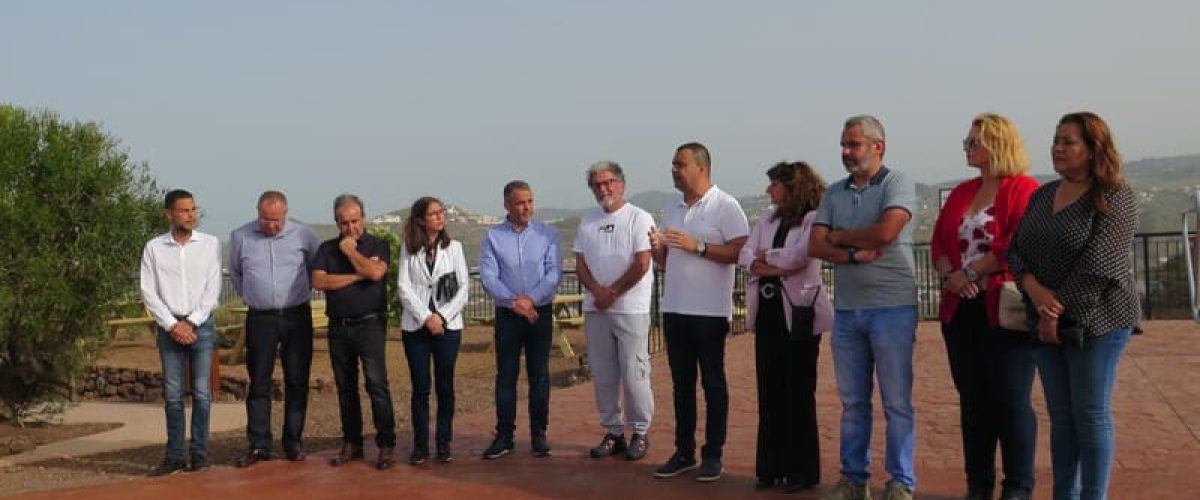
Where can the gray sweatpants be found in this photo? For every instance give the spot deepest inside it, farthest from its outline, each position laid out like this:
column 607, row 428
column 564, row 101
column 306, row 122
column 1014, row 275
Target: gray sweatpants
column 618, row 357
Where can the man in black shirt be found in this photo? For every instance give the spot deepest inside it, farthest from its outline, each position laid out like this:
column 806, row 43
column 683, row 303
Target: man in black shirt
column 350, row 270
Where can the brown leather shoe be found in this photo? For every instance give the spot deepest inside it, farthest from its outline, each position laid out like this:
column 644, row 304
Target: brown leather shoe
column 252, row 457
column 385, row 458
column 294, row 452
column 349, row 452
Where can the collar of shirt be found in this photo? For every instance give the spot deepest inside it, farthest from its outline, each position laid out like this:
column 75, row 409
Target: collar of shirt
column 712, row 190
column 875, row 179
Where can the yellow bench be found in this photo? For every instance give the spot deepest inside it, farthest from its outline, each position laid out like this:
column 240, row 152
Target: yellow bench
column 125, row 323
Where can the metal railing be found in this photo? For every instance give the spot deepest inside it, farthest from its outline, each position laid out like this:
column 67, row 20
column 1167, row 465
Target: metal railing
column 1157, row 259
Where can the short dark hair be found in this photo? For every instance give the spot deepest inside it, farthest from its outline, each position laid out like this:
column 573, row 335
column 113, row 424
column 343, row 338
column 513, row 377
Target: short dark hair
column 176, row 195
column 517, row 185
column 699, row 153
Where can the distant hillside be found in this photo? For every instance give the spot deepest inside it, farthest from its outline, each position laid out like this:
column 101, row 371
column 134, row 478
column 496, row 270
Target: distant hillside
column 1163, row 185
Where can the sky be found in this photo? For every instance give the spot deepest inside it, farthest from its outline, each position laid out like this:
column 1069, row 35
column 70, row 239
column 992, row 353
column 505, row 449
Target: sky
column 395, row 100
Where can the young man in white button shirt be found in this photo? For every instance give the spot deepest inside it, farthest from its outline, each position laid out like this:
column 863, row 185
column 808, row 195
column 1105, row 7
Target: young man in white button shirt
column 612, row 259
column 180, row 283
column 702, row 234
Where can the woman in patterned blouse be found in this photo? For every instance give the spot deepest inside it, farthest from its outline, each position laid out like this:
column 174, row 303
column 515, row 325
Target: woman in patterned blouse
column 992, row 368
column 1071, row 259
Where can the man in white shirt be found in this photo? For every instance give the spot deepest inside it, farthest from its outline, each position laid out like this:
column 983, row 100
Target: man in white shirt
column 702, row 234
column 612, row 257
column 180, row 283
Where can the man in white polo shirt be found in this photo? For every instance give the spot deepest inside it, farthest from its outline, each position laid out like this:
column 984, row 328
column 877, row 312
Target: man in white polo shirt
column 702, row 234
column 612, row 257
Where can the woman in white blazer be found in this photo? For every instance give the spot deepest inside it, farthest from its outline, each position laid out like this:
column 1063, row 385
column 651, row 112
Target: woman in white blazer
column 433, row 285
column 782, row 275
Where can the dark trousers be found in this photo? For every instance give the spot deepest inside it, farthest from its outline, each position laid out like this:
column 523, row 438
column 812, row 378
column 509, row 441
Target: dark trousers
column 291, row 336
column 788, row 440
column 419, row 347
column 691, row 341
column 514, row 333
column 347, row 346
column 993, row 371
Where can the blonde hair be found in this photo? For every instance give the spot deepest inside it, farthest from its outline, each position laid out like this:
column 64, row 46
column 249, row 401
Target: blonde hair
column 1002, row 140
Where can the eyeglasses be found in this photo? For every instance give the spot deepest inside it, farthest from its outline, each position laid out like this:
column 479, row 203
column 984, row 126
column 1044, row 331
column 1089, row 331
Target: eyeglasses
column 607, row 183
column 969, row 144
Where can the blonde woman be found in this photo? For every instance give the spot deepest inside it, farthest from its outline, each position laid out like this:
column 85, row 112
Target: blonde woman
column 992, row 367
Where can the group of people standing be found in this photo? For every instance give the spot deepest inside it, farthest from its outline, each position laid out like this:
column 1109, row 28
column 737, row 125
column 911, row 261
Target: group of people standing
column 1063, row 244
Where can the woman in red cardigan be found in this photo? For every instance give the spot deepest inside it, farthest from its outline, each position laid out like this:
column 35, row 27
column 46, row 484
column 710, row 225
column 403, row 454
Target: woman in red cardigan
column 992, row 368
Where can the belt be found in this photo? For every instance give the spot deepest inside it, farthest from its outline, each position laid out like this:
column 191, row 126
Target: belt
column 360, row 320
column 296, row 309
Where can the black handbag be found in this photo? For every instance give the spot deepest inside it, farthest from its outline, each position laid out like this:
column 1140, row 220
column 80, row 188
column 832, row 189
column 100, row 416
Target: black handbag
column 447, row 287
column 803, row 317
column 1071, row 333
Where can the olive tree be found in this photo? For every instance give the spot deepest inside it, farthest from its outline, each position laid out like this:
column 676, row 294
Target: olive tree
column 74, row 215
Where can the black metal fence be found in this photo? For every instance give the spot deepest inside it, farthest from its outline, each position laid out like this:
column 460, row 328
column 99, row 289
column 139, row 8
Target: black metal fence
column 1157, row 260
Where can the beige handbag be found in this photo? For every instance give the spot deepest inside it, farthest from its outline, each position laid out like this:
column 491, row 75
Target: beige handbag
column 1012, row 308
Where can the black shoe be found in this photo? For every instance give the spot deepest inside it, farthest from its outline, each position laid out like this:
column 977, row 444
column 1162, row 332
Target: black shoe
column 294, row 452
column 679, row 462
column 198, row 462
column 609, row 445
column 793, row 484
column 710, row 470
column 418, row 456
column 168, row 467
column 443, row 453
column 386, row 458
column 766, row 483
column 539, row 446
column 252, row 457
column 501, row 446
column 348, row 453
column 638, row 444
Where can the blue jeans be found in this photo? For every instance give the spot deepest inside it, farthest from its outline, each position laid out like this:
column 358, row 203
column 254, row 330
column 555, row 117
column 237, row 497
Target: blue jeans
column 199, row 356
column 1078, row 384
column 419, row 347
column 514, row 333
column 876, row 341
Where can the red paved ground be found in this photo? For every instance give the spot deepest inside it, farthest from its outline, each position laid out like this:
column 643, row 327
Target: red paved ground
column 1157, row 408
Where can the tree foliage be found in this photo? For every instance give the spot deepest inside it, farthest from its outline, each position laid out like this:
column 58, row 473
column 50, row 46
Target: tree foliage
column 393, row 240
column 74, row 215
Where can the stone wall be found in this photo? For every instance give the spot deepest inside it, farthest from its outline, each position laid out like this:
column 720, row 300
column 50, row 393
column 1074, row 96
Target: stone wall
column 107, row 383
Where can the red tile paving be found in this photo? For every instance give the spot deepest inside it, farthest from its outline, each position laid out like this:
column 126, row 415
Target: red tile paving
column 1157, row 408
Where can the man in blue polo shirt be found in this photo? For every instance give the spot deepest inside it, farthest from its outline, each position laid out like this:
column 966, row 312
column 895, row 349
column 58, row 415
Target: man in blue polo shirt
column 520, row 268
column 864, row 228
column 269, row 265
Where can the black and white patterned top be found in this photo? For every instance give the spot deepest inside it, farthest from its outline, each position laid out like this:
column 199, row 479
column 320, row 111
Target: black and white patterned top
column 1083, row 255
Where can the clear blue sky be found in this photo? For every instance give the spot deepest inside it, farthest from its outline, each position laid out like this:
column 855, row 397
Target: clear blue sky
column 392, row 100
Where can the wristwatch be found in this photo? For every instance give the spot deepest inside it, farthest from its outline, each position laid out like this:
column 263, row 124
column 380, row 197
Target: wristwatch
column 701, row 248
column 970, row 273
column 850, row 253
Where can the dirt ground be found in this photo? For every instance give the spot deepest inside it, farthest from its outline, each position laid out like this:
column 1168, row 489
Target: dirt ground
column 474, row 382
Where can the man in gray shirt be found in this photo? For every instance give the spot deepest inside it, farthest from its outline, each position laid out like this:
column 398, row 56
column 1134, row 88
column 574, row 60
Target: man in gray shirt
column 269, row 262
column 864, row 227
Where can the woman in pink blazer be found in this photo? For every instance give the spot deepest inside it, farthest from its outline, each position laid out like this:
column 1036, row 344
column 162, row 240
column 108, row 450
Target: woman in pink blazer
column 782, row 275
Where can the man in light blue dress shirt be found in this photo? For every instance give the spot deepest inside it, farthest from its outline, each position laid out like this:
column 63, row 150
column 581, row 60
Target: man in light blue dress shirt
column 520, row 268
column 269, row 264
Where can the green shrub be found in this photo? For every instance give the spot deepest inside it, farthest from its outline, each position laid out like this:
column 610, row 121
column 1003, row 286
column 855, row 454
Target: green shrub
column 74, row 215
